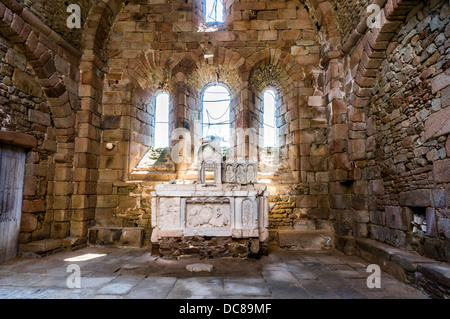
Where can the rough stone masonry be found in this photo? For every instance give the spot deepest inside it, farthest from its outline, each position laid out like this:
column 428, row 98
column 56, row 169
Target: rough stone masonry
column 362, row 116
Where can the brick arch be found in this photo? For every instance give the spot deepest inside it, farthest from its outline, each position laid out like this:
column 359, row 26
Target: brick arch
column 220, row 67
column 37, row 45
column 287, row 65
column 323, row 14
column 54, row 63
column 367, row 56
column 98, row 25
column 150, row 70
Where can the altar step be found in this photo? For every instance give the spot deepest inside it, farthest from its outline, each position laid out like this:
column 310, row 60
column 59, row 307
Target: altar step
column 306, row 239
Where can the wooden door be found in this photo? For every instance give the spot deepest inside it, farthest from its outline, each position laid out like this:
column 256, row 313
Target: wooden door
column 12, row 168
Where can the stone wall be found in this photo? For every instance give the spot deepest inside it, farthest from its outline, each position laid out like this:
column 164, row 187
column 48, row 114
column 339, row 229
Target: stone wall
column 408, row 135
column 54, row 14
column 362, row 114
column 40, row 97
column 162, row 46
column 24, row 109
column 349, row 14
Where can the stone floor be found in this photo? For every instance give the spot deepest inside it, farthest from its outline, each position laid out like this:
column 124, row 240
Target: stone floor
column 135, row 273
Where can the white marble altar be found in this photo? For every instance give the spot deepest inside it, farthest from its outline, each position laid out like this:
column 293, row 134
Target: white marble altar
column 239, row 211
column 230, row 205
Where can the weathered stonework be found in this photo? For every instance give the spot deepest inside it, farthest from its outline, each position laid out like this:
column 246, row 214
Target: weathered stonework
column 361, row 116
column 406, row 147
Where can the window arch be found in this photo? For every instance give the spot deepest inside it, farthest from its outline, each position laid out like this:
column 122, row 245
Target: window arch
column 269, row 118
column 214, row 11
column 216, row 102
column 161, row 137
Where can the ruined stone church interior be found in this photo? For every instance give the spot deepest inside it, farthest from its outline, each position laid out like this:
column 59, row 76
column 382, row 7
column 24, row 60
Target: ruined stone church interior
column 224, row 149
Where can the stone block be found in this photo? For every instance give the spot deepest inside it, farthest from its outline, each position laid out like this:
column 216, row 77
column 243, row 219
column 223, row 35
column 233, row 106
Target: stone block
column 307, row 201
column 63, row 188
column 397, row 238
column 61, row 202
column 441, row 81
column 379, row 233
column 31, row 206
column 441, row 170
column 79, row 228
column 60, row 230
column 431, row 222
column 437, row 124
column 116, row 236
column 416, row 198
column 395, row 218
column 306, row 239
column 361, row 216
column 447, row 195
column 83, row 214
column 443, row 227
column 434, row 248
column 80, row 201
column 105, row 201
column 377, row 217
column 318, row 213
column 28, row 222
column 447, row 146
column 200, row 267
column 61, row 215
column 18, row 139
column 41, row 246
column 26, row 83
column 30, row 185
column 436, row 272
column 438, row 197
column 380, row 254
column 360, row 230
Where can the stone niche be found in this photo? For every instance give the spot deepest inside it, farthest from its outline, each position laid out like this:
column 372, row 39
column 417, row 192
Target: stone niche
column 237, row 213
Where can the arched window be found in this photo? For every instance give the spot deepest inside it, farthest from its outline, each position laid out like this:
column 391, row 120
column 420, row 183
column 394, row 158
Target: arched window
column 162, row 120
column 216, row 114
column 269, row 124
column 214, row 11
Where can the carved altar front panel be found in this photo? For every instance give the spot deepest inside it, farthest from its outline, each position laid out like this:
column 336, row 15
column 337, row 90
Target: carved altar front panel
column 224, row 210
column 208, row 217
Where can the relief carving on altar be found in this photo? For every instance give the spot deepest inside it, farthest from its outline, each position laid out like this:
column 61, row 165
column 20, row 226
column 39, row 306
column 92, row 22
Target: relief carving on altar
column 240, row 173
column 247, row 214
column 210, row 214
column 170, row 213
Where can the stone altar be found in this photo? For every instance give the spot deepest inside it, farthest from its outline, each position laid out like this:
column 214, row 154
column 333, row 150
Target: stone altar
column 231, row 206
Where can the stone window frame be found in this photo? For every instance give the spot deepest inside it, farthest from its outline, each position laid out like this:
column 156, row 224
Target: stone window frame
column 259, row 94
column 230, row 107
column 277, row 99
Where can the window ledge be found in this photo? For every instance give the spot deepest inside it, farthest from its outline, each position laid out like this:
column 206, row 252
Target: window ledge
column 211, row 27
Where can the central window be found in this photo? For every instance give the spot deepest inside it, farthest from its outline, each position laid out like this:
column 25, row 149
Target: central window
column 269, row 104
column 162, row 120
column 214, row 11
column 216, row 114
